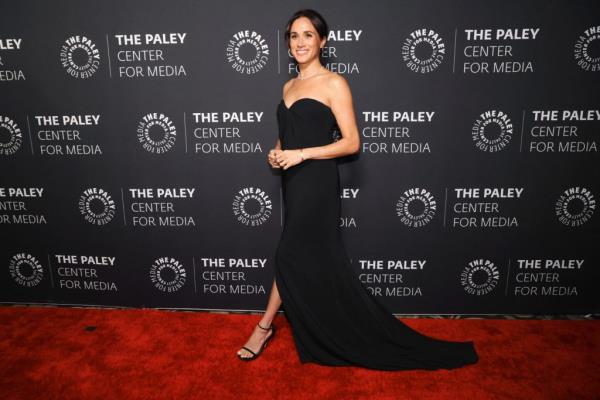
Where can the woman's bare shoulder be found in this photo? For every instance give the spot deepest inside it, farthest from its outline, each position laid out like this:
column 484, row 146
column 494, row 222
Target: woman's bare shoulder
column 337, row 85
column 287, row 85
column 336, row 80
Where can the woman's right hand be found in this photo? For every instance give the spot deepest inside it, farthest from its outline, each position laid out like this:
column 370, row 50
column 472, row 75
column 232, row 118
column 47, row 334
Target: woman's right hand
column 271, row 158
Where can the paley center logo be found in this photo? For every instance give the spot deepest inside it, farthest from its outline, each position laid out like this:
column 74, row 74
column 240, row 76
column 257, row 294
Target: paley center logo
column 252, row 206
column 575, row 206
column 582, row 53
column 97, row 206
column 25, row 269
column 492, row 131
column 160, row 271
column 80, row 57
column 153, row 142
column 11, row 136
column 247, row 51
column 416, row 207
column 423, row 50
column 479, row 277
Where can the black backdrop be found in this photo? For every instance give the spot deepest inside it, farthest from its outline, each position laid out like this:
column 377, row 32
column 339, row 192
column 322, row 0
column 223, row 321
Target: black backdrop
column 134, row 135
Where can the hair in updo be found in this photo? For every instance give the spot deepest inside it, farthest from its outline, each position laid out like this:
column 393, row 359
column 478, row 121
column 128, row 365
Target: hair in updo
column 316, row 19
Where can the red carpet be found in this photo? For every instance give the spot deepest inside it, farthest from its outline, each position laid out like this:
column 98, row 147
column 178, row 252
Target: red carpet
column 47, row 353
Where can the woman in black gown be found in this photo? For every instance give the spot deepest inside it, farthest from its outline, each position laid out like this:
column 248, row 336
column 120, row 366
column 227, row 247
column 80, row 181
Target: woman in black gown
column 334, row 319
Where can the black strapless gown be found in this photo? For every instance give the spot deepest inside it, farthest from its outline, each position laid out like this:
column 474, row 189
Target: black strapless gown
column 335, row 321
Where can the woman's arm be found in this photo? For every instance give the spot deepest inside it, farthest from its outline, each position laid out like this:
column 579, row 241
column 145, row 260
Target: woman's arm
column 343, row 109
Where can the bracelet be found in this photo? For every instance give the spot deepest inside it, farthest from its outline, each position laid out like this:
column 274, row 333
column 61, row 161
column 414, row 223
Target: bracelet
column 301, row 154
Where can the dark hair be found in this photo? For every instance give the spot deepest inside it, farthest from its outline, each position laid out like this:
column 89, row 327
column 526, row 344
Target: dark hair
column 316, row 19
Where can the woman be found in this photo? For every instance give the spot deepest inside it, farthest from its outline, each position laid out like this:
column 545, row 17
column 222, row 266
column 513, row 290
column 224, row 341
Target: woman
column 334, row 319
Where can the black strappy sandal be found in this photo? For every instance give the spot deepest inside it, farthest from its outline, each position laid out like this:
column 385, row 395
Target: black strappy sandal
column 255, row 355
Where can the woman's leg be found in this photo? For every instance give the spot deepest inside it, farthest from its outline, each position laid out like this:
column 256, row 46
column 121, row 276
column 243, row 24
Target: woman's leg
column 260, row 335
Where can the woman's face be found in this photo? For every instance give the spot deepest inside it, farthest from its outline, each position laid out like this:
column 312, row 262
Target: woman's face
column 304, row 40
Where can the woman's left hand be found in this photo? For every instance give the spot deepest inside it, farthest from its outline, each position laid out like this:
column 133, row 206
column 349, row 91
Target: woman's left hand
column 288, row 158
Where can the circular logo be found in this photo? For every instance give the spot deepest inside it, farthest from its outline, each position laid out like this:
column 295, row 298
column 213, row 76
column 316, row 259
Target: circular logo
column 167, row 274
column 96, row 206
column 164, row 140
column 416, row 207
column 479, row 277
column 247, row 52
column 80, row 57
column 575, row 206
column 11, row 136
column 423, row 50
column 25, row 270
column 583, row 56
column 252, row 206
column 492, row 131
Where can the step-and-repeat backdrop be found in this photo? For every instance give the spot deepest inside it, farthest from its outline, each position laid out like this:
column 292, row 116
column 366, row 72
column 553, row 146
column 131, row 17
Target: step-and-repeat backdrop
column 134, row 139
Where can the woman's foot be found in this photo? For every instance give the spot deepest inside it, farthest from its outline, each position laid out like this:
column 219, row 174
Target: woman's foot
column 258, row 337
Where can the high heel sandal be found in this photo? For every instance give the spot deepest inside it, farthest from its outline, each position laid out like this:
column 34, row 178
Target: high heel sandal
column 255, row 355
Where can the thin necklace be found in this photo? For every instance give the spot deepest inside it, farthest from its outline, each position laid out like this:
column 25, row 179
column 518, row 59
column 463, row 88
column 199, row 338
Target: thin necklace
column 302, row 78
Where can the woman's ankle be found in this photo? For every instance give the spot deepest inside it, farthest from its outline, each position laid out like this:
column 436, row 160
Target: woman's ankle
column 265, row 323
